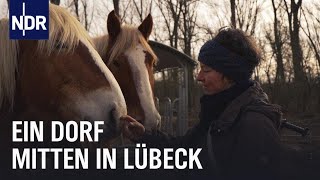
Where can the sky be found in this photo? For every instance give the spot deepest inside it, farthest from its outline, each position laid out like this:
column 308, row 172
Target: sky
column 203, row 9
column 205, row 15
column 3, row 8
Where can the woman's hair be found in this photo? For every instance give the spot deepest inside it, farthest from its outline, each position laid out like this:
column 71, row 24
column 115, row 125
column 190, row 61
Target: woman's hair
column 238, row 42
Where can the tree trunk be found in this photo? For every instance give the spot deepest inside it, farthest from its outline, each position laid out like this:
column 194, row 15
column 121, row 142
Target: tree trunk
column 246, row 15
column 280, row 78
column 56, row 2
column 233, row 13
column 176, row 16
column 76, row 7
column 297, row 53
column 85, row 13
column 300, row 78
column 314, row 41
column 116, row 7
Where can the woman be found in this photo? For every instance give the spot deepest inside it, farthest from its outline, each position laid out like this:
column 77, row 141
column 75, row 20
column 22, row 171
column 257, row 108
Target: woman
column 238, row 128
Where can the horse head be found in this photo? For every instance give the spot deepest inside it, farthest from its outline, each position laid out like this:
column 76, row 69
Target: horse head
column 129, row 57
column 62, row 78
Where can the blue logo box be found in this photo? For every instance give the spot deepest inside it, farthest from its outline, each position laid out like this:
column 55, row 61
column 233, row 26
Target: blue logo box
column 29, row 19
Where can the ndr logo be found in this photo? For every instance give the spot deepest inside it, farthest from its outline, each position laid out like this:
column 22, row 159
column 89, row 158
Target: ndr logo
column 29, row 19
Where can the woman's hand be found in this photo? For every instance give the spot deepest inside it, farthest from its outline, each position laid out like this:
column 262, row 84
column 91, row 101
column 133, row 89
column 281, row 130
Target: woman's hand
column 132, row 129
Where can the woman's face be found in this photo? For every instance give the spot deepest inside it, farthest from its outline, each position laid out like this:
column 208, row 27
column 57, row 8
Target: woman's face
column 212, row 81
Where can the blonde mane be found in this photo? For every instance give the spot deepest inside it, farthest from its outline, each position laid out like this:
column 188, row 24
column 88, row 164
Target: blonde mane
column 128, row 38
column 65, row 33
column 9, row 50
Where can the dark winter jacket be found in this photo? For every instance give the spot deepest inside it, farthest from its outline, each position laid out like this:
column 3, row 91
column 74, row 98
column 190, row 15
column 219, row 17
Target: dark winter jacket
column 238, row 134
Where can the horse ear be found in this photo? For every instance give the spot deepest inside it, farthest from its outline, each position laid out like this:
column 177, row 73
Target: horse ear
column 146, row 26
column 113, row 24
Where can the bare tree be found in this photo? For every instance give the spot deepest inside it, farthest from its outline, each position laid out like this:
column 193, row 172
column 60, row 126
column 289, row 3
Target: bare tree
column 246, row 15
column 313, row 36
column 86, row 17
column 143, row 8
column 116, row 7
column 233, row 13
column 57, row 2
column 188, row 32
column 294, row 28
column 188, row 26
column 216, row 11
column 277, row 46
column 81, row 10
column 123, row 9
column 171, row 11
column 302, row 86
column 76, row 8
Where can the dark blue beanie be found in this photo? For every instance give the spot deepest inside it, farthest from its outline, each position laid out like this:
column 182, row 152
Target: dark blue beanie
column 232, row 65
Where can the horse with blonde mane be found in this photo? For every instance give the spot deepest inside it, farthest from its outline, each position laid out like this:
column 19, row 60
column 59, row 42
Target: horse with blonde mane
column 62, row 78
column 126, row 52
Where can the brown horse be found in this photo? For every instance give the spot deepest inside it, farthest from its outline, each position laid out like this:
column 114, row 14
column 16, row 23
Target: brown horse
column 126, row 52
column 62, row 78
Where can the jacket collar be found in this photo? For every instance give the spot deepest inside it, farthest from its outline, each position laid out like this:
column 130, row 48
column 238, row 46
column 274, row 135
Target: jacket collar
column 229, row 115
